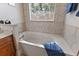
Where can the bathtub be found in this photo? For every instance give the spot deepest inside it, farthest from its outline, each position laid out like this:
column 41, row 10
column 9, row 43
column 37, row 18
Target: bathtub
column 31, row 43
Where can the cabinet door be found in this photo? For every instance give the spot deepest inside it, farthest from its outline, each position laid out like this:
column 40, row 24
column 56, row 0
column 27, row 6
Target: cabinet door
column 12, row 45
column 6, row 47
column 5, row 50
column 12, row 49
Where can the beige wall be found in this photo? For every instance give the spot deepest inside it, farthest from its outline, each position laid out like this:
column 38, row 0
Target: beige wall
column 71, row 32
column 21, row 25
column 55, row 27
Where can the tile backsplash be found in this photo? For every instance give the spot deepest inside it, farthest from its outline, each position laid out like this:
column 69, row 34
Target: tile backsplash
column 6, row 27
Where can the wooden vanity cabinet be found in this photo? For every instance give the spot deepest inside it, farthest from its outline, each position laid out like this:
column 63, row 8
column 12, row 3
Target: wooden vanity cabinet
column 7, row 46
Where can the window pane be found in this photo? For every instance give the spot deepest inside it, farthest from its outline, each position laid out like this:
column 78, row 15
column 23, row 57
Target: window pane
column 42, row 11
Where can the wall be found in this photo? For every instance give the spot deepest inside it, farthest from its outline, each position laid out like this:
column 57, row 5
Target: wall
column 9, row 12
column 55, row 27
column 16, row 16
column 71, row 33
column 20, row 11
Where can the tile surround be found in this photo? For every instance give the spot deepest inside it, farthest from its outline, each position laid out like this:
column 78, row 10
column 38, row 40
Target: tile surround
column 70, row 37
column 56, row 27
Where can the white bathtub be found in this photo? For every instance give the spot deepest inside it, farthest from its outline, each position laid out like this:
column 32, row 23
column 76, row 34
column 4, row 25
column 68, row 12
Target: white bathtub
column 32, row 43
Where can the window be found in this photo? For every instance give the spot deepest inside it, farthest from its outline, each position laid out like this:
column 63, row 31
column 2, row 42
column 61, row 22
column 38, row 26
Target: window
column 42, row 11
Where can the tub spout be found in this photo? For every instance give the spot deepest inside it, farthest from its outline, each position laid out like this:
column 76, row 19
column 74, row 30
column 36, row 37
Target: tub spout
column 21, row 36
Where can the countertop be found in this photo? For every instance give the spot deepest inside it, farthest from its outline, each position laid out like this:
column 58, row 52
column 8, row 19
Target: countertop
column 5, row 34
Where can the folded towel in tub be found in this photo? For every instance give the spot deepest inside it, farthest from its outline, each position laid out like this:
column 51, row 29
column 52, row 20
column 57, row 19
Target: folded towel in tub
column 53, row 49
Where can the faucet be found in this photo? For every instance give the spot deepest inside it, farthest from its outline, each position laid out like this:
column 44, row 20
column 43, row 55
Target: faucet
column 21, row 35
column 1, row 29
column 78, row 53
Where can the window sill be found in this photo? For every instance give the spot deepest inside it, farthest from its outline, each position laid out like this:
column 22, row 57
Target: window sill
column 42, row 20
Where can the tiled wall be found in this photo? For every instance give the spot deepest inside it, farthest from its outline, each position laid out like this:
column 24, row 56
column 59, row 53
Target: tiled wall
column 71, row 36
column 21, row 25
column 55, row 27
column 71, row 33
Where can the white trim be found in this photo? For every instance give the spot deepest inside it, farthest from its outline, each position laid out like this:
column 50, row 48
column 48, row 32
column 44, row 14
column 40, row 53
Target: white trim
column 29, row 11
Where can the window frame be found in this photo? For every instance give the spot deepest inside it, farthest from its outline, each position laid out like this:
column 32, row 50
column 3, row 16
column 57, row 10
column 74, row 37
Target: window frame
column 52, row 19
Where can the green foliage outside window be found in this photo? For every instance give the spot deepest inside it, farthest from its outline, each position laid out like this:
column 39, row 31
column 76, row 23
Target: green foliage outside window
column 42, row 7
